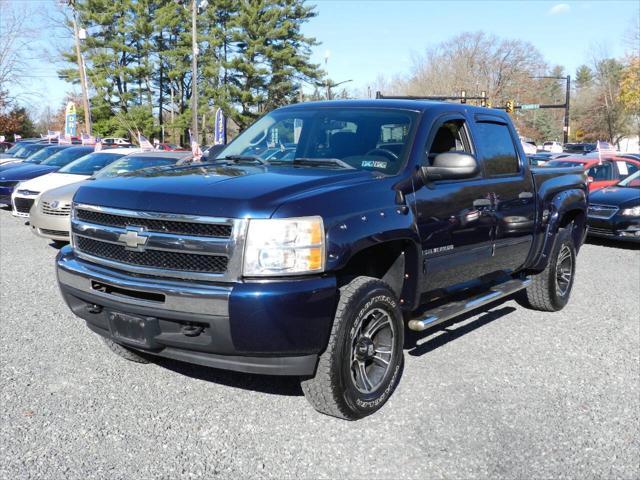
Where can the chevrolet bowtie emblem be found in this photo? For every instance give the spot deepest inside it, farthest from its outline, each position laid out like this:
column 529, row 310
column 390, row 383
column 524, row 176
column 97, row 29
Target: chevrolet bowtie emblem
column 133, row 239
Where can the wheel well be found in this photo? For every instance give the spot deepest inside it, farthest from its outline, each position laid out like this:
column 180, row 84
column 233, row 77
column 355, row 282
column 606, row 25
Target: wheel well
column 578, row 218
column 395, row 262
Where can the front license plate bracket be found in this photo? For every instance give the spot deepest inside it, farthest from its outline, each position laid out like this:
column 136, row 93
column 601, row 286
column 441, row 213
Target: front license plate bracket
column 137, row 331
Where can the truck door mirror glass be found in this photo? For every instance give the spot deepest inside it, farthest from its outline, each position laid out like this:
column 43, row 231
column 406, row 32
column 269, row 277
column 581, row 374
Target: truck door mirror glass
column 451, row 166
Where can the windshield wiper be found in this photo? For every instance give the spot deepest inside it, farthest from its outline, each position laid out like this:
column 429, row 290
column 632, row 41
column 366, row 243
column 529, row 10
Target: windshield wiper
column 244, row 158
column 321, row 162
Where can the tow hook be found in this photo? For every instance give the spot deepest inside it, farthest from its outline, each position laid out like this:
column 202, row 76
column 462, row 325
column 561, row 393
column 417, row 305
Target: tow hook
column 191, row 330
column 93, row 308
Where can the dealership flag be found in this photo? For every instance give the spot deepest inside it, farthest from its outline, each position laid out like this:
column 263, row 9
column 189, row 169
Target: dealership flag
column 145, row 144
column 219, row 129
column 604, row 148
column 70, row 123
column 52, row 135
column 195, row 147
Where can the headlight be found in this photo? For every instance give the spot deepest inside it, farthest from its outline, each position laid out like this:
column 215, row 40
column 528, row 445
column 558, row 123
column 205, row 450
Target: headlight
column 632, row 212
column 286, row 246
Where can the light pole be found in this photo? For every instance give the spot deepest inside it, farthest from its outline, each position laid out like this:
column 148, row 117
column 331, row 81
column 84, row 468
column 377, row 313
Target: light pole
column 81, row 70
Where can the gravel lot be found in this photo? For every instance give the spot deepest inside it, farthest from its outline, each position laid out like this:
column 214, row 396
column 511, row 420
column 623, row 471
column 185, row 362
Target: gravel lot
column 505, row 393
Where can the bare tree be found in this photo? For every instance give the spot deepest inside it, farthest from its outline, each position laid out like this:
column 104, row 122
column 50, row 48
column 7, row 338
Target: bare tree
column 15, row 48
column 476, row 62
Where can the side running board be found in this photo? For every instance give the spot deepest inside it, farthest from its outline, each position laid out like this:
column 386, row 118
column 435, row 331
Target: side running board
column 448, row 311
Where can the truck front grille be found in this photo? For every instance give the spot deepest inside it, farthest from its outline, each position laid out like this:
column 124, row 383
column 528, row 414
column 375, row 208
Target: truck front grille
column 186, row 262
column 159, row 244
column 23, row 205
column 155, row 225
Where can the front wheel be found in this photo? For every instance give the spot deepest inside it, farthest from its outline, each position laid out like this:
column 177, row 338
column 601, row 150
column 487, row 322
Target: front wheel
column 362, row 364
column 550, row 289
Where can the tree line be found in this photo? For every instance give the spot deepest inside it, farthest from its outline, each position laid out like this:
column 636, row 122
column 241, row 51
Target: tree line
column 252, row 58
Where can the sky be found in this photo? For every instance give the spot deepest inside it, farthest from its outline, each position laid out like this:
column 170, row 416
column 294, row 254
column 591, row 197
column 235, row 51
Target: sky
column 363, row 39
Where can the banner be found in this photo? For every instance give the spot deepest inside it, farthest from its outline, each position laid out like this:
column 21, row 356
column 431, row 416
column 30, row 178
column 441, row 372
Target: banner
column 70, row 122
column 219, row 129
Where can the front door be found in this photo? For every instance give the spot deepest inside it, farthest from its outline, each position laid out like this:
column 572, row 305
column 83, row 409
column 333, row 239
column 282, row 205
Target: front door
column 453, row 217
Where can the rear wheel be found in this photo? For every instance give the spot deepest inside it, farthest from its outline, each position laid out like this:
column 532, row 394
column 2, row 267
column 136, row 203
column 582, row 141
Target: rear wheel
column 550, row 289
column 123, row 351
column 362, row 364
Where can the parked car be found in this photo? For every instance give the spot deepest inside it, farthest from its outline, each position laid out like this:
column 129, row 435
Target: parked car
column 80, row 169
column 113, row 141
column 169, row 147
column 23, row 151
column 11, row 178
column 554, row 147
column 309, row 266
column 4, row 146
column 579, row 147
column 600, row 172
column 35, row 158
column 49, row 215
column 614, row 212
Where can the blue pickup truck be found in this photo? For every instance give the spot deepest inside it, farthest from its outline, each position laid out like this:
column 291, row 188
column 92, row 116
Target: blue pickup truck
column 389, row 214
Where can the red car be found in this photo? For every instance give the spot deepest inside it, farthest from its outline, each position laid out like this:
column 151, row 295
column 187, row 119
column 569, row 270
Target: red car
column 169, row 147
column 601, row 173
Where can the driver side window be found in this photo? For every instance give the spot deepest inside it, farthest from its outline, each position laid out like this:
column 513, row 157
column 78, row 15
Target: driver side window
column 450, row 136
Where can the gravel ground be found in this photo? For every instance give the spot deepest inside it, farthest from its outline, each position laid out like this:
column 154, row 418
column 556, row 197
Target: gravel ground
column 506, row 393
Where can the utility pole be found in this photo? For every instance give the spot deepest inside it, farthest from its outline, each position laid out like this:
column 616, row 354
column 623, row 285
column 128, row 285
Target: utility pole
column 194, row 71
column 566, row 110
column 81, row 70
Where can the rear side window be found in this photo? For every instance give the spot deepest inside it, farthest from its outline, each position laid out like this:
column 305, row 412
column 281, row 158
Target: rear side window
column 496, row 149
column 602, row 172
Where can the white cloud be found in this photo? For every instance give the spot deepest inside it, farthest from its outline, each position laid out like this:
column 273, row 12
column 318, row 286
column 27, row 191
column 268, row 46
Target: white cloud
column 559, row 8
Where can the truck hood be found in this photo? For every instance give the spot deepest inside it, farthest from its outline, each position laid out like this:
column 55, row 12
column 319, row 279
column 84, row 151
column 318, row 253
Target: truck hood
column 26, row 172
column 618, row 196
column 51, row 180
column 215, row 190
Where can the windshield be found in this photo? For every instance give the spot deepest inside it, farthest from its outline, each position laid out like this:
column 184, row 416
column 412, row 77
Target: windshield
column 632, row 181
column 89, row 164
column 29, row 149
column 131, row 164
column 15, row 148
column 66, row 156
column 373, row 139
column 43, row 154
column 563, row 163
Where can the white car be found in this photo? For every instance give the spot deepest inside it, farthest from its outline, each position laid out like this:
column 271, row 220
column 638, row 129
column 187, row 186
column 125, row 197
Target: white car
column 26, row 192
column 553, row 147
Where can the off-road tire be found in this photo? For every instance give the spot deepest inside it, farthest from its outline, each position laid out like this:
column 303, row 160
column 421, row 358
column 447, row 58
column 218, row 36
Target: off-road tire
column 542, row 293
column 332, row 390
column 123, row 351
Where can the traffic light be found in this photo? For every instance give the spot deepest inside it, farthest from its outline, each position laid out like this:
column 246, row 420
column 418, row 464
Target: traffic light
column 510, row 105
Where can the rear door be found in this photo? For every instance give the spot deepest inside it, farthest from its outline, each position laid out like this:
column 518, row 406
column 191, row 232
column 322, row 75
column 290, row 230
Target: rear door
column 510, row 188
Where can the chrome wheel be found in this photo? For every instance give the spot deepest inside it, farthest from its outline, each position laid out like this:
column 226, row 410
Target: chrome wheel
column 372, row 349
column 564, row 270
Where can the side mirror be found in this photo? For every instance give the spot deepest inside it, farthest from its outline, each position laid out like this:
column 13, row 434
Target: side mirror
column 589, row 179
column 451, row 166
